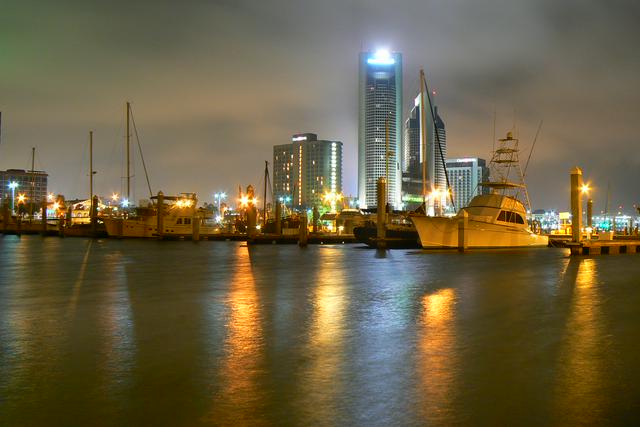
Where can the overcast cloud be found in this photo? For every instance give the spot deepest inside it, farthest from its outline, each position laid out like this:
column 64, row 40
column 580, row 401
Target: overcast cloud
column 214, row 85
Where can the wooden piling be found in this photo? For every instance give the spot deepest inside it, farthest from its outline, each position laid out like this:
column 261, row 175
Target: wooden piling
column 44, row 216
column 195, row 227
column 463, row 237
column 576, row 204
column 303, row 238
column 278, row 218
column 160, row 215
column 381, row 221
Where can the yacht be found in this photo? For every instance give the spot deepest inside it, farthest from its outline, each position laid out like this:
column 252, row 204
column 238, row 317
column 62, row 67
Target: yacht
column 496, row 220
column 178, row 220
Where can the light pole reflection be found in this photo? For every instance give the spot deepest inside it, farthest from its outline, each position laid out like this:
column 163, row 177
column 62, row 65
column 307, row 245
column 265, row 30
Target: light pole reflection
column 437, row 361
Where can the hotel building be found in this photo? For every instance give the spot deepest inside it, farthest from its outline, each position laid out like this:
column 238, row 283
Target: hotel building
column 306, row 169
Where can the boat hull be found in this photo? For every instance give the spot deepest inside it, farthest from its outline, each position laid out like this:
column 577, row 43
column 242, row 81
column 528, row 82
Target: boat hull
column 148, row 228
column 442, row 232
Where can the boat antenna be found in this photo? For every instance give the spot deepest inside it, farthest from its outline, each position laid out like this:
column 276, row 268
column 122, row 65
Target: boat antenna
column 144, row 165
column 264, row 202
column 423, row 148
column 128, row 108
column 437, row 134
column 535, row 139
column 493, row 141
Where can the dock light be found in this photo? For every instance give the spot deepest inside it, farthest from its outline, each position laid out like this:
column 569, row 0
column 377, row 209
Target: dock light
column 585, row 188
column 13, row 185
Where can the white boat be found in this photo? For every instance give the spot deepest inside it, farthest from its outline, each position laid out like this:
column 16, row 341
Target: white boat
column 493, row 221
column 497, row 220
column 178, row 220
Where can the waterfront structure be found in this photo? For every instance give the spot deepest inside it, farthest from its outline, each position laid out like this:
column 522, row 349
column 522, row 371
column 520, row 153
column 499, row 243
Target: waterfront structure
column 498, row 219
column 413, row 157
column 32, row 185
column 306, row 170
column 465, row 178
column 380, row 118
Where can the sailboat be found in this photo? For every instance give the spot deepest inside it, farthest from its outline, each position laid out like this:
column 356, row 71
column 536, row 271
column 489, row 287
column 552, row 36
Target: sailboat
column 496, row 220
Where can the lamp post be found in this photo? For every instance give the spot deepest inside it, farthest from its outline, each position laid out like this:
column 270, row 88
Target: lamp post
column 12, row 186
column 219, row 197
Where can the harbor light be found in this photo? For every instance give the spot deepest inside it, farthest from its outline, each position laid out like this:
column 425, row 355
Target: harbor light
column 13, row 185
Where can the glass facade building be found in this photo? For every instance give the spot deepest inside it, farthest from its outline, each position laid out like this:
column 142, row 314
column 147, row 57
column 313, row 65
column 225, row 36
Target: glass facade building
column 465, row 177
column 380, row 108
column 413, row 157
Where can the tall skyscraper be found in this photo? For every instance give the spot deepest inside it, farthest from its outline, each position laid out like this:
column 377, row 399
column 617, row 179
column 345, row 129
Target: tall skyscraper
column 465, row 177
column 306, row 169
column 413, row 154
column 380, row 108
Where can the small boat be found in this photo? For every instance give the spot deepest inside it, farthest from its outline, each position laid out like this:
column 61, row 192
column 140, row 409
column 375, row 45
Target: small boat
column 179, row 217
column 497, row 220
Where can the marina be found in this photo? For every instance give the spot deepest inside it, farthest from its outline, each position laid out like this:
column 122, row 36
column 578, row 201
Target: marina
column 128, row 332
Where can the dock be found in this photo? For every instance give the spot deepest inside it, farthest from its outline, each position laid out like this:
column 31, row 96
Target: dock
column 608, row 247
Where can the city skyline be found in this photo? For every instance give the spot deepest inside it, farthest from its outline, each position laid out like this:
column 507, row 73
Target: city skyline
column 207, row 120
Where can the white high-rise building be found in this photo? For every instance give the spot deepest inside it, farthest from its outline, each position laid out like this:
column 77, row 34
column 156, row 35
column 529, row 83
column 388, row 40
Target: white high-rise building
column 465, row 177
column 380, row 107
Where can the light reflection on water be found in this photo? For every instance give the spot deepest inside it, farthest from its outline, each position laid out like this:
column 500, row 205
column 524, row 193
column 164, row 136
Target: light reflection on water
column 241, row 396
column 437, row 359
column 117, row 332
column 581, row 365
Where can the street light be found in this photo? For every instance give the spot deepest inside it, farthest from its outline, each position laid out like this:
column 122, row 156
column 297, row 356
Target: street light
column 219, row 197
column 12, row 186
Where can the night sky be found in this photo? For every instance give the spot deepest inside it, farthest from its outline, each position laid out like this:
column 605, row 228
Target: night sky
column 214, row 85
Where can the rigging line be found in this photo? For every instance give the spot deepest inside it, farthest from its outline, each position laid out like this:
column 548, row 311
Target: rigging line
column 144, row 166
column 444, row 164
column 535, row 139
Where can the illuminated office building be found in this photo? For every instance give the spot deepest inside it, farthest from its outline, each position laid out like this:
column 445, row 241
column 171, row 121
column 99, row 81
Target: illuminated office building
column 307, row 169
column 380, row 108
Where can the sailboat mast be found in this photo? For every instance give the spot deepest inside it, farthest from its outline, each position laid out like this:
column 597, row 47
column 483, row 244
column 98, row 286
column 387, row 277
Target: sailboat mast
column 33, row 180
column 128, row 159
column 423, row 130
column 264, row 202
column 91, row 170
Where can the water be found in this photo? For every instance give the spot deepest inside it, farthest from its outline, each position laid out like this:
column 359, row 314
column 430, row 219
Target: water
column 111, row 332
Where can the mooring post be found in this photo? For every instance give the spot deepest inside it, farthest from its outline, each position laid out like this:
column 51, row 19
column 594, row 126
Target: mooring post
column 303, row 238
column 195, row 227
column 160, row 215
column 316, row 218
column 278, row 218
column 463, row 225
column 576, row 204
column 6, row 217
column 252, row 221
column 94, row 216
column 381, row 225
column 44, row 216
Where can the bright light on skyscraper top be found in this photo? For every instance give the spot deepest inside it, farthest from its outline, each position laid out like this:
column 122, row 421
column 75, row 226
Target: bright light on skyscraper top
column 381, row 57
